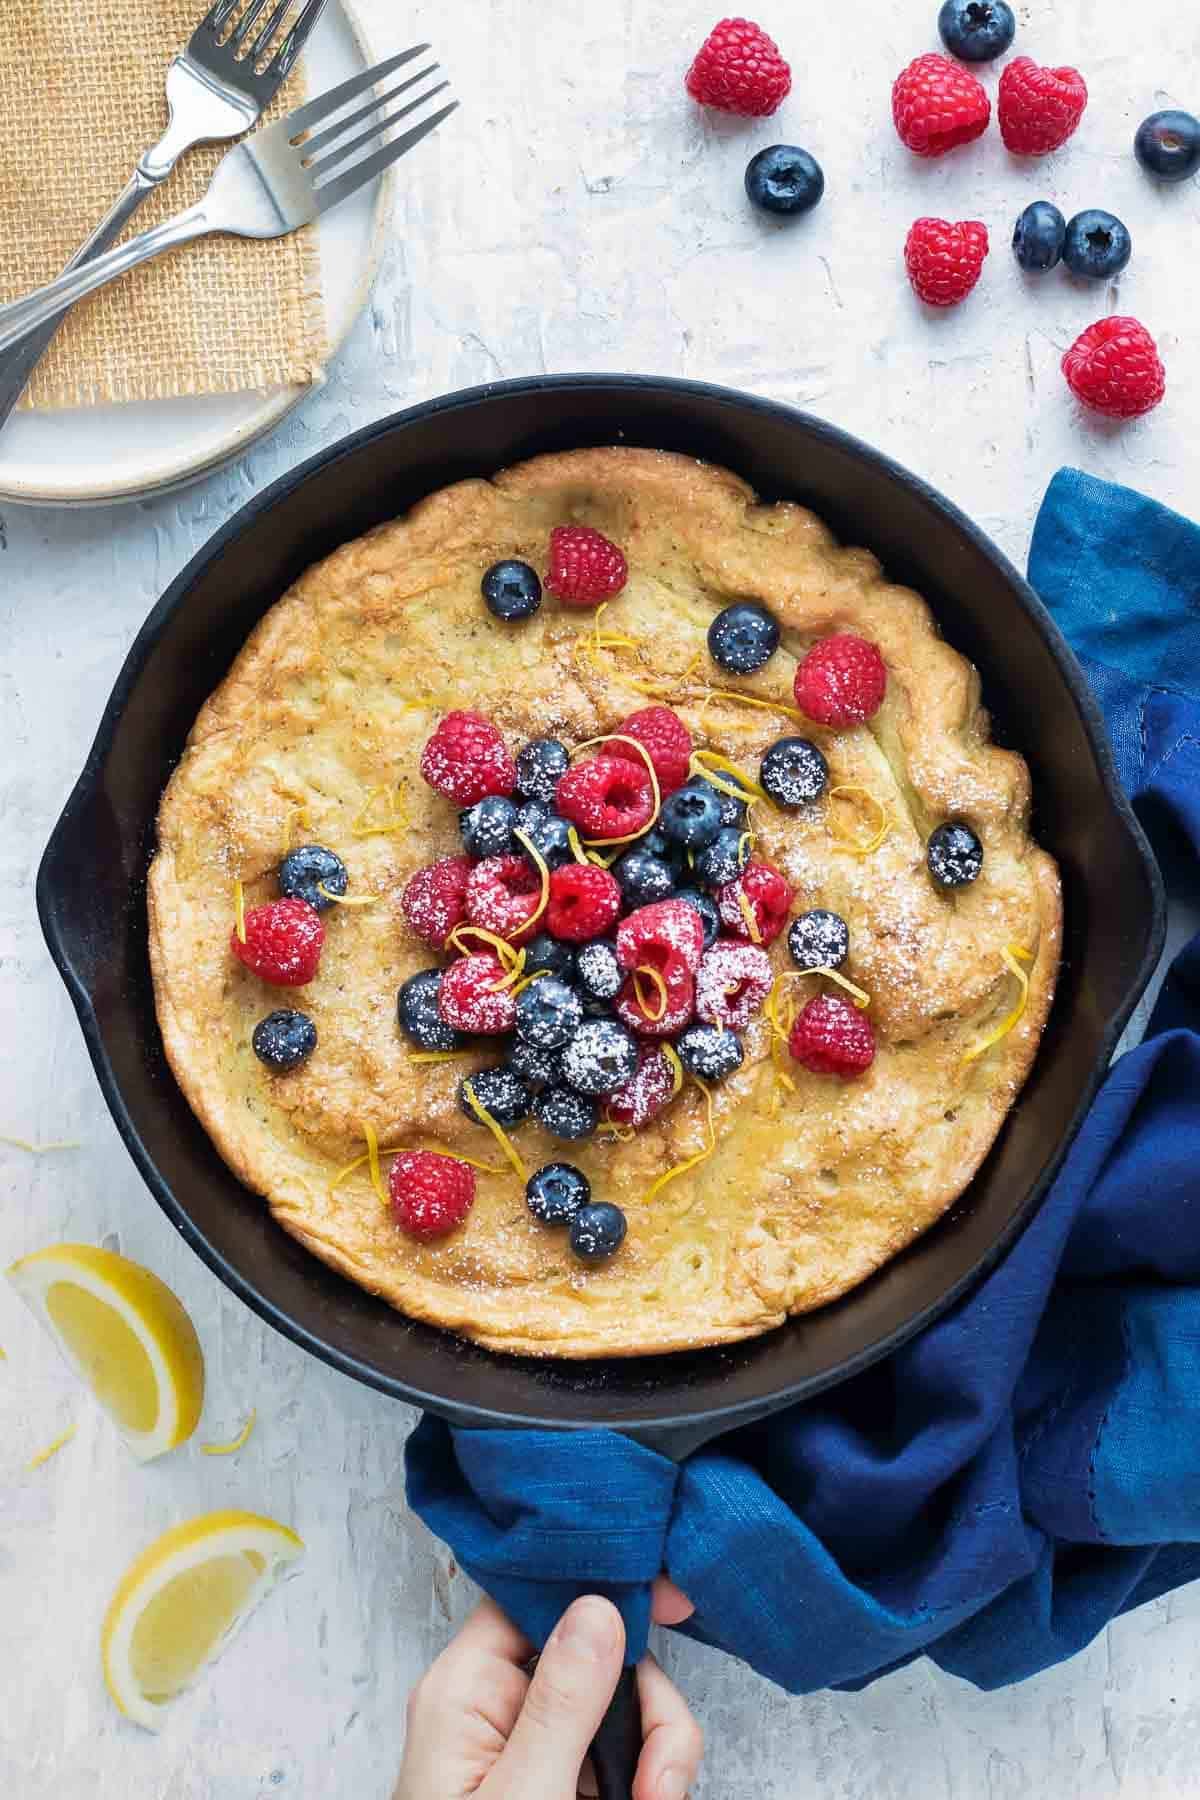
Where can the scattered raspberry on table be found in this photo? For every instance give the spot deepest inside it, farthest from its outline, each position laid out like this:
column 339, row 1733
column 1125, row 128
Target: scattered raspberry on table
column 585, row 568
column 938, row 105
column 1038, row 109
column 1114, row 367
column 831, row 1038
column 467, row 760
column 283, row 942
column 430, row 1194
column 739, row 69
column 945, row 258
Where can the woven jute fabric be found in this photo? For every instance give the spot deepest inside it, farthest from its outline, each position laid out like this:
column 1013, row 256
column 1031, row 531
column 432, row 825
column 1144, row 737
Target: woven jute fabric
column 83, row 89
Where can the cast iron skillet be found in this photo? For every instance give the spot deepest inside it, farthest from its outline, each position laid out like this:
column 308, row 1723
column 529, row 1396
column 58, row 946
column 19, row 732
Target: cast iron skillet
column 92, row 902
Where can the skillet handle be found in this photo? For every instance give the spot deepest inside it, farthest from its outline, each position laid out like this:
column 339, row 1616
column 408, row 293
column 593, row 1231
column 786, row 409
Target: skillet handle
column 617, row 1745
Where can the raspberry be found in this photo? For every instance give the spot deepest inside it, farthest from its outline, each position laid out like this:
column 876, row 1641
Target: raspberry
column 831, row 1038
column 841, row 681
column 502, row 895
column 283, row 942
column 1039, row 109
column 643, row 1098
column 937, row 106
column 430, row 1194
column 584, row 902
column 434, row 900
column 944, row 258
column 667, row 742
column 607, row 796
column 767, row 896
column 471, row 999
column 585, row 567
column 639, row 1001
column 466, row 759
column 734, row 980
column 668, row 937
column 1114, row 368
column 738, row 69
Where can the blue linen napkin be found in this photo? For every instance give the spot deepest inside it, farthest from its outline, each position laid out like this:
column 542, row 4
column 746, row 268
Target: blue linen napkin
column 1028, row 1467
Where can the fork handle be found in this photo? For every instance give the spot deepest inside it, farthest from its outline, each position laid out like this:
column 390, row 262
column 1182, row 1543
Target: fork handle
column 18, row 364
column 46, row 305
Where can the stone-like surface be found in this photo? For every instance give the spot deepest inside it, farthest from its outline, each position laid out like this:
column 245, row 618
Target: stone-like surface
column 579, row 215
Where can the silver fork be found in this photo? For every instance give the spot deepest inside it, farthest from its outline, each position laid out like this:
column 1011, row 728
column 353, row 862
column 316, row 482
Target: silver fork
column 217, row 88
column 267, row 186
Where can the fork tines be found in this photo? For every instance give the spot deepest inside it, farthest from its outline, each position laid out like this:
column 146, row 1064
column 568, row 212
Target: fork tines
column 269, row 45
column 340, row 142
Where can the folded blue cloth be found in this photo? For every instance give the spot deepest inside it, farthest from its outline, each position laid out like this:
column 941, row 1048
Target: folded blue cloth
column 1029, row 1466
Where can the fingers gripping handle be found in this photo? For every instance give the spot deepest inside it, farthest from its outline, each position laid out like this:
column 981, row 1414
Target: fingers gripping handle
column 618, row 1743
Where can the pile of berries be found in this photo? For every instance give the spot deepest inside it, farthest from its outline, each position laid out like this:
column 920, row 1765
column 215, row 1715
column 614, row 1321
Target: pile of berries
column 601, row 985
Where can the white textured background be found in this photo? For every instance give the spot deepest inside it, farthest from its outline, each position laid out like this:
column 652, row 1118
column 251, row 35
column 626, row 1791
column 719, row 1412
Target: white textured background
column 580, row 214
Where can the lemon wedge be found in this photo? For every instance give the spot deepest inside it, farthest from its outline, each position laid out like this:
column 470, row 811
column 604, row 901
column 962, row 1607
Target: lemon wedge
column 181, row 1601
column 125, row 1334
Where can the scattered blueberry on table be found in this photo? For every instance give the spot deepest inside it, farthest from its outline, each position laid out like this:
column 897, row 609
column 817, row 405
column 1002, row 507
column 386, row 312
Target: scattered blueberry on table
column 1038, row 237
column 784, row 180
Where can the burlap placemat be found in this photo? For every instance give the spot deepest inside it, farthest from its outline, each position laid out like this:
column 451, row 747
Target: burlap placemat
column 82, row 82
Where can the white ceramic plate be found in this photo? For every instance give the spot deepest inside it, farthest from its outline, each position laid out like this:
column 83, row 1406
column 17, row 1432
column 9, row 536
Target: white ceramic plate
column 92, row 455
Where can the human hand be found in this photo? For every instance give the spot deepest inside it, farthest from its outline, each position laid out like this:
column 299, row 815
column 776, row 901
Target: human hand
column 480, row 1728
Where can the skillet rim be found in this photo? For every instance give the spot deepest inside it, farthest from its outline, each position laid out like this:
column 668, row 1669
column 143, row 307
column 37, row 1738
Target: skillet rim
column 680, row 1428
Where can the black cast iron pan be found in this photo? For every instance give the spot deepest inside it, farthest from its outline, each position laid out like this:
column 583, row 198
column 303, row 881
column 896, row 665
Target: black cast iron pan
column 91, row 891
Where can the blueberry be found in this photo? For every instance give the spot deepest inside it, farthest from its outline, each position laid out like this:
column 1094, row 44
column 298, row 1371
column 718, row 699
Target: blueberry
column 501, row 1092
column 794, row 772
column 597, row 1231
column 565, row 1114
column 954, row 855
column 540, row 766
column 1168, row 145
column 733, row 811
column 1096, row 244
column 977, row 30
column 643, row 878
column 512, row 590
column 555, row 1193
column 540, row 1068
column 819, row 940
column 548, row 1013
column 655, row 842
column 743, row 637
column 487, row 827
column 784, row 179
column 1038, row 237
column 420, row 1020
column 549, row 836
column 545, row 952
column 600, row 1058
column 709, row 915
column 304, row 872
column 707, row 1051
column 691, row 816
column 597, row 970
column 284, row 1040
column 724, row 859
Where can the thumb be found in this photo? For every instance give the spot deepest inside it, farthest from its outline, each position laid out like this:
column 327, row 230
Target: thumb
column 568, row 1697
